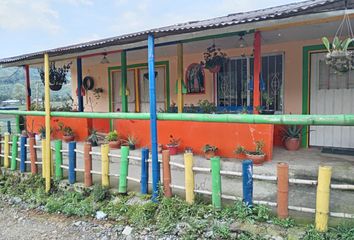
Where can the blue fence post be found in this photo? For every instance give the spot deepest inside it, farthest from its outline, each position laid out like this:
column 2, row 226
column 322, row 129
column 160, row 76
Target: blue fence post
column 247, row 182
column 153, row 117
column 144, row 185
column 9, row 127
column 72, row 162
column 23, row 154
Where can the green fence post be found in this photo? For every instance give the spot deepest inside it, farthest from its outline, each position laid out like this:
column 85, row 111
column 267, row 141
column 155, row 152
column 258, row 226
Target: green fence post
column 58, row 160
column 14, row 152
column 123, row 169
column 18, row 128
column 216, row 182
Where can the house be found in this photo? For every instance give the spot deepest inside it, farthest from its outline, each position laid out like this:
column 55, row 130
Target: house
column 276, row 60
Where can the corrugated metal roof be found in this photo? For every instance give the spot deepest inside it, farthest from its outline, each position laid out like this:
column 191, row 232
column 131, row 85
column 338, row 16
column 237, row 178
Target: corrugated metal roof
column 279, row 12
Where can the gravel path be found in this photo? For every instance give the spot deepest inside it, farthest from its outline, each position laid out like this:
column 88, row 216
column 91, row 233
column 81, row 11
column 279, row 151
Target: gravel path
column 17, row 223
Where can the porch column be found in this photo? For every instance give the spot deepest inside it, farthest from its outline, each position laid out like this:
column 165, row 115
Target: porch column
column 123, row 58
column 80, row 99
column 257, row 70
column 153, row 117
column 179, row 77
column 28, row 88
column 137, row 90
column 47, row 146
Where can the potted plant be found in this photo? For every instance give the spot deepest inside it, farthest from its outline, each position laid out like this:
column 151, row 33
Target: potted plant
column 93, row 138
column 113, row 139
column 268, row 101
column 57, row 75
column 131, row 142
column 41, row 131
column 257, row 156
column 206, row 107
column 209, row 151
column 214, row 58
column 68, row 133
column 338, row 56
column 173, row 145
column 291, row 137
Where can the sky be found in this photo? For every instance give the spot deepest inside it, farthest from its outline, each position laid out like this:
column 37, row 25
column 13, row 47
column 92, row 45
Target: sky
column 33, row 25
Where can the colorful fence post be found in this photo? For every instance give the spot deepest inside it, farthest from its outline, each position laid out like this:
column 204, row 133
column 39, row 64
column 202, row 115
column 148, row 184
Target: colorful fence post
column 216, row 182
column 283, row 190
column 247, row 182
column 18, row 127
column 166, row 173
column 189, row 177
column 72, row 163
column 9, row 127
column 322, row 197
column 0, row 148
column 6, row 150
column 43, row 158
column 105, row 165
column 144, row 178
column 23, row 153
column 14, row 152
column 33, row 155
column 58, row 160
column 124, row 163
column 88, row 164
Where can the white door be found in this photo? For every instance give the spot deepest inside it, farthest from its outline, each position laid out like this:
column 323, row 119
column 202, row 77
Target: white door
column 116, row 91
column 160, row 78
column 331, row 93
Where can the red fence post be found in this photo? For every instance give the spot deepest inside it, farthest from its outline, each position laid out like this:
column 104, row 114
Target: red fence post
column 166, row 173
column 88, row 164
column 283, row 190
column 33, row 155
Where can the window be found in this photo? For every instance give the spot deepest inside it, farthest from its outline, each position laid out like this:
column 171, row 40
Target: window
column 330, row 79
column 235, row 83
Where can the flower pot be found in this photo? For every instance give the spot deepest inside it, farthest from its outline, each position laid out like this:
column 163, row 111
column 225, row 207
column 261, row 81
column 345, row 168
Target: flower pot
column 160, row 148
column 214, row 69
column 31, row 134
column 68, row 138
column 256, row 159
column 132, row 146
column 292, row 144
column 267, row 112
column 114, row 144
column 173, row 149
column 209, row 154
column 55, row 87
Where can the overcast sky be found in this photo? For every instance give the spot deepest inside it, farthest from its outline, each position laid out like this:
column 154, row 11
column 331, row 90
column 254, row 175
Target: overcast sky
column 34, row 25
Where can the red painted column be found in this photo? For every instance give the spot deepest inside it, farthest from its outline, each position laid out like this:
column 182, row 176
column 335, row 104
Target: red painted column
column 257, row 70
column 28, row 88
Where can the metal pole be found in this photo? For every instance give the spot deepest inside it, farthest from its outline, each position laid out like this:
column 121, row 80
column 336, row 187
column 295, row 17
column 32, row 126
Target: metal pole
column 80, row 99
column 153, row 117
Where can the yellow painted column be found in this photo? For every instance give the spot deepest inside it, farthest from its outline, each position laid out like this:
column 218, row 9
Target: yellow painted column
column 137, row 90
column 105, row 165
column 47, row 122
column 43, row 158
column 189, row 177
column 179, row 77
column 6, row 150
column 322, row 198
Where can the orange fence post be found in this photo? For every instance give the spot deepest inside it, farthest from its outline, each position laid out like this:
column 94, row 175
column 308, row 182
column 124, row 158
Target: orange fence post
column 33, row 155
column 283, row 190
column 166, row 173
column 88, row 164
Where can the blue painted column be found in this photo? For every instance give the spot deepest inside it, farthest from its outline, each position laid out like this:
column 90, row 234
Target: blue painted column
column 80, row 99
column 247, row 182
column 72, row 163
column 23, row 153
column 153, row 118
column 144, row 171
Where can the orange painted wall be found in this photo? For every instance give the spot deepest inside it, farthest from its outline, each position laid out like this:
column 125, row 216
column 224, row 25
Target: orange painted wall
column 80, row 126
column 226, row 136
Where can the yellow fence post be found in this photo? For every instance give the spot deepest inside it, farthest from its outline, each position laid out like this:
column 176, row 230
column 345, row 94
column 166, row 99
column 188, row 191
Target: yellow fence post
column 189, row 177
column 6, row 150
column 47, row 122
column 105, row 165
column 322, row 198
column 180, row 77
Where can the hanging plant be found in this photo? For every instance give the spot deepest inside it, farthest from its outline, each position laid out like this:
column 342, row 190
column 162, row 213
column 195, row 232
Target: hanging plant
column 57, row 76
column 214, row 58
column 338, row 56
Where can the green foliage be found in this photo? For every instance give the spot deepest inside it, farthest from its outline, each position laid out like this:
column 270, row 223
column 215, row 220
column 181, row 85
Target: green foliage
column 57, row 75
column 291, row 131
column 93, row 137
column 206, row 106
column 258, row 150
column 112, row 136
column 209, row 148
column 100, row 193
column 66, row 130
column 337, row 44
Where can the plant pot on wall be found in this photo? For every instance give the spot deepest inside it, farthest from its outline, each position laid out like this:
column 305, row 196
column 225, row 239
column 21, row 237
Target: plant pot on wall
column 173, row 149
column 256, row 159
column 55, row 87
column 209, row 154
column 292, row 144
column 114, row 144
column 68, row 138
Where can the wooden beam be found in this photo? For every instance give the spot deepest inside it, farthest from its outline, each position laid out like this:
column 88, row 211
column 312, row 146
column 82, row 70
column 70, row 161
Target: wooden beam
column 179, row 77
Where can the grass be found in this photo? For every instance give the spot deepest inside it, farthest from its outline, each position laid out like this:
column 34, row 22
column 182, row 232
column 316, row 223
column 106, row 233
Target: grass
column 191, row 220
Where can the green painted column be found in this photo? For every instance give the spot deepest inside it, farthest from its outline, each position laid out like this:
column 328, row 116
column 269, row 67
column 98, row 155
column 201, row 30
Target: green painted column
column 216, row 182
column 14, row 152
column 123, row 57
column 123, row 169
column 18, row 127
column 58, row 160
